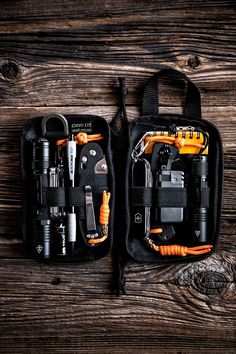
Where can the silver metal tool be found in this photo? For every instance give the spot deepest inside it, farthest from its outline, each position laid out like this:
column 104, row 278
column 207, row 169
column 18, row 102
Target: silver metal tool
column 53, row 182
column 101, row 167
column 167, row 178
column 140, row 216
column 90, row 216
column 56, row 179
column 61, row 239
column 140, row 147
column 57, row 213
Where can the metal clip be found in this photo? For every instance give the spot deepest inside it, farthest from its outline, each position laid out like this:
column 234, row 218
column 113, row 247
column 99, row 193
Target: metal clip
column 90, row 217
column 141, row 145
column 53, row 182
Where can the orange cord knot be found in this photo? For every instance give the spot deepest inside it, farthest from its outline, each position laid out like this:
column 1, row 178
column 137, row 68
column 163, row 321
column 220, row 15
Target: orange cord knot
column 173, row 250
column 104, row 209
column 179, row 142
column 82, row 138
column 103, row 219
column 178, row 250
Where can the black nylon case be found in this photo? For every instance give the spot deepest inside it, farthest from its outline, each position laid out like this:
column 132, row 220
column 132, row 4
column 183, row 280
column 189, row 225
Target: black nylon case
column 151, row 120
column 117, row 149
column 82, row 252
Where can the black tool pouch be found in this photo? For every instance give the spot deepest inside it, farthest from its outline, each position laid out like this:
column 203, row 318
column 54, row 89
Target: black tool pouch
column 173, row 181
column 68, row 187
column 169, row 174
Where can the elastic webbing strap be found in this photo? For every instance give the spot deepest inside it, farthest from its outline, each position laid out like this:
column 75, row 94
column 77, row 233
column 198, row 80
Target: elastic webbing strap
column 167, row 198
column 71, row 196
column 159, row 197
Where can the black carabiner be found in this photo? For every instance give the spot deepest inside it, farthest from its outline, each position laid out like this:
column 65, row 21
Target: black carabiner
column 54, row 133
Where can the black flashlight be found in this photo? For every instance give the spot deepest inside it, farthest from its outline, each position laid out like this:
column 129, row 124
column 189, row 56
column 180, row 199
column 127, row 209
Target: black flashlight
column 199, row 186
column 41, row 224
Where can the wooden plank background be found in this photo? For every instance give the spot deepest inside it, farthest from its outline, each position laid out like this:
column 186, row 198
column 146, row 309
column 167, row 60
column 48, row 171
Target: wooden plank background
column 66, row 56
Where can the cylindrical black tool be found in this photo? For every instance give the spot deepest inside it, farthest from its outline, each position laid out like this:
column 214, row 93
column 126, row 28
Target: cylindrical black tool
column 199, row 174
column 41, row 237
column 41, row 224
column 40, row 163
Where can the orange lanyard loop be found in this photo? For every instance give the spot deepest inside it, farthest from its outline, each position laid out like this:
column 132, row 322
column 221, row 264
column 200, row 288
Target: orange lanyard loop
column 178, row 142
column 82, row 138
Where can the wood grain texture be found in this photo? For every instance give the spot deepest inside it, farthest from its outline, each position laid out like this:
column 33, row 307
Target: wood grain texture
column 52, row 83
column 183, row 299
column 65, row 56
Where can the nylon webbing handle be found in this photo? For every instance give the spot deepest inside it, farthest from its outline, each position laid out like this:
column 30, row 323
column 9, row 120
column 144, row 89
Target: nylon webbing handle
column 150, row 105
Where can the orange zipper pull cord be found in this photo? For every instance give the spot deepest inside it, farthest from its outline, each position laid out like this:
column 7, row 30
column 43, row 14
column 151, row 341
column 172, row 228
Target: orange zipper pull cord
column 178, row 250
column 103, row 219
column 178, row 142
column 82, row 138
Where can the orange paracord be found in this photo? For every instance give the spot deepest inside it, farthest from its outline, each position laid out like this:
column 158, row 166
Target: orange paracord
column 178, row 142
column 159, row 230
column 175, row 250
column 97, row 240
column 178, row 250
column 104, row 218
column 105, row 210
column 82, row 138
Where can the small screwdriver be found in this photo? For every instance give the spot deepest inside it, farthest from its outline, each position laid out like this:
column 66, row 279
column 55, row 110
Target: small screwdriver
column 71, row 156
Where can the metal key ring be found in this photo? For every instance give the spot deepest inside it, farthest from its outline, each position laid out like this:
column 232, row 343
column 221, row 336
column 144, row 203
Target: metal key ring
column 53, row 116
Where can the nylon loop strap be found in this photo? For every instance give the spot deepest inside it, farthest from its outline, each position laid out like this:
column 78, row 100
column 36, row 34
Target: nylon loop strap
column 167, row 197
column 70, row 196
column 141, row 196
column 55, row 196
column 159, row 197
column 150, row 104
column 170, row 197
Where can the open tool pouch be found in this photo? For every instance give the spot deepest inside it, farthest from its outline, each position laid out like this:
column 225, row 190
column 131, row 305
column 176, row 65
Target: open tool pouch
column 173, row 180
column 68, row 187
column 167, row 197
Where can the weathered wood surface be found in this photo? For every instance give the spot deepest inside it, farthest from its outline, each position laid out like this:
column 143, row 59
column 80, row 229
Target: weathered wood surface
column 65, row 56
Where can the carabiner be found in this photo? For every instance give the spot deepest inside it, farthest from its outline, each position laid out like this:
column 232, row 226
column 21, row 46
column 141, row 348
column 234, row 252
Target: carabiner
column 142, row 145
column 58, row 116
